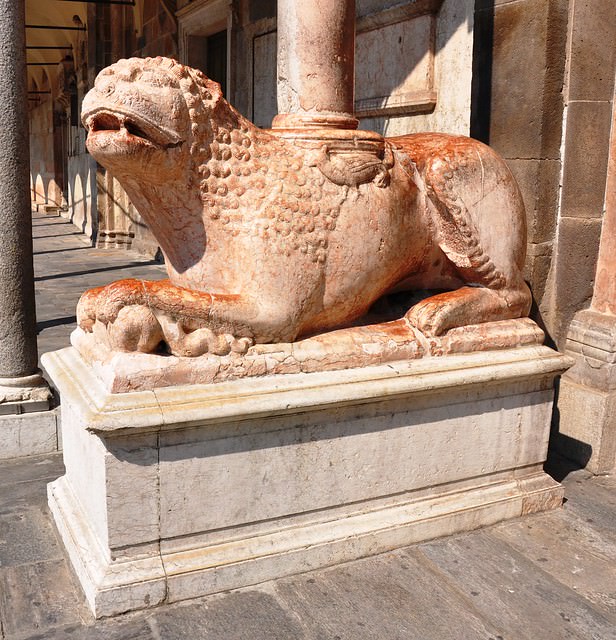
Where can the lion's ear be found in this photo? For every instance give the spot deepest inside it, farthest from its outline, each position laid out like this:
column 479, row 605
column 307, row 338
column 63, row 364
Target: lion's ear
column 179, row 70
column 210, row 89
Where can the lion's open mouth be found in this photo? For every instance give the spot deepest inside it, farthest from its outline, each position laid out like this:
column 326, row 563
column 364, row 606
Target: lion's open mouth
column 131, row 127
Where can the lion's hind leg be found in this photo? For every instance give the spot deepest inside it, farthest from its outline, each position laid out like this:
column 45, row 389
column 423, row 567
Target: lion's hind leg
column 470, row 191
column 468, row 305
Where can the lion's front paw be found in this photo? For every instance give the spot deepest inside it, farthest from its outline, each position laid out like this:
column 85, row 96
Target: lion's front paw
column 435, row 315
column 86, row 309
column 103, row 304
column 427, row 318
column 134, row 328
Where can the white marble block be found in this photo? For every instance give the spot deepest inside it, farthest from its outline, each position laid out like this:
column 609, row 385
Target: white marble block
column 182, row 491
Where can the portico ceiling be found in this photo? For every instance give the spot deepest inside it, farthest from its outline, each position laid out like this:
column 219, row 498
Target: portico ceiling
column 54, row 29
column 51, row 13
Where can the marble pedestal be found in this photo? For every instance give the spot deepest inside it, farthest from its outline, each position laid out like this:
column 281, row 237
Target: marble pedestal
column 182, row 491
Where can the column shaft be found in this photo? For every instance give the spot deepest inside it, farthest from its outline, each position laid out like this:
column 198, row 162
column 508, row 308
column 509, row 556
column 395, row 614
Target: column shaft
column 604, row 294
column 316, row 70
column 18, row 350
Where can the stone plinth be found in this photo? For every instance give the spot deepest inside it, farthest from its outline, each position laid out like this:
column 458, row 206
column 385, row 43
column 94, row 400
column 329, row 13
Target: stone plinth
column 349, row 348
column 587, row 393
column 27, row 423
column 178, row 492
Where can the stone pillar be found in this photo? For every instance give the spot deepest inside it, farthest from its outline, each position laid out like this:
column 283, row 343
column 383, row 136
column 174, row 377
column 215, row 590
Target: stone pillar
column 316, row 61
column 587, row 399
column 18, row 353
column 316, row 82
column 22, row 389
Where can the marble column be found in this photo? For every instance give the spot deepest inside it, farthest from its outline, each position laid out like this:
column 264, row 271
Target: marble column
column 22, row 389
column 587, row 399
column 316, row 50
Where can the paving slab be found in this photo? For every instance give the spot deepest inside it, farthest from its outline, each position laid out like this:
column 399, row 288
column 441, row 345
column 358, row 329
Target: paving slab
column 249, row 614
column 515, row 593
column 65, row 265
column 104, row 630
column 593, row 503
column 580, row 560
column 514, row 581
column 397, row 596
column 26, row 536
column 39, row 596
column 38, row 468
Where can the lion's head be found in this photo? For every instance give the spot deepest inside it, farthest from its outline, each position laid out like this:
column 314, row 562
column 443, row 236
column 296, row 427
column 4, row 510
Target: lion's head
column 143, row 114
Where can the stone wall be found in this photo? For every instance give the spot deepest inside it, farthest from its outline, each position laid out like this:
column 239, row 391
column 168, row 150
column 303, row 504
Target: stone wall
column 517, row 109
column 588, row 96
column 158, row 34
column 542, row 90
column 425, row 57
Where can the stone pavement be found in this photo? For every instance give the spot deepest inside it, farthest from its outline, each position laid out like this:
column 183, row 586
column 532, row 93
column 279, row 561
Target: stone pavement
column 544, row 577
column 65, row 265
column 548, row 576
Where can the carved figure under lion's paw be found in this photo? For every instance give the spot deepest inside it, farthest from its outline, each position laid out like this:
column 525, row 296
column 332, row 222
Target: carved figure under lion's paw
column 267, row 239
column 137, row 315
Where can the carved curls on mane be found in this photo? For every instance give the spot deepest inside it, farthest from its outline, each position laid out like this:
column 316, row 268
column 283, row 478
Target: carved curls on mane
column 200, row 94
column 217, row 131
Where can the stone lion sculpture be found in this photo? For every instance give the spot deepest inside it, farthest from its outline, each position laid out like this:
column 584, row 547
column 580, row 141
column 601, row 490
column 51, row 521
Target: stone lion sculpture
column 267, row 240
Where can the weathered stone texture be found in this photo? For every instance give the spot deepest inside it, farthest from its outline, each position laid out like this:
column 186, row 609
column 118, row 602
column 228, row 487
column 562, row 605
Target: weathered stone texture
column 537, row 271
column 587, row 404
column 244, row 211
column 28, row 434
column 539, row 183
column 519, row 62
column 573, row 273
column 586, row 429
column 586, row 152
column 592, row 57
column 158, row 34
column 316, row 46
column 525, row 107
column 588, row 90
column 348, row 464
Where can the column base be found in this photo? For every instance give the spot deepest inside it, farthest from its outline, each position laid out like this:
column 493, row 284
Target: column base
column 587, row 396
column 310, row 120
column 27, row 425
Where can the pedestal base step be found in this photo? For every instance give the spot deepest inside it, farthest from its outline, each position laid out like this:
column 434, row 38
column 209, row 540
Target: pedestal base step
column 115, row 586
